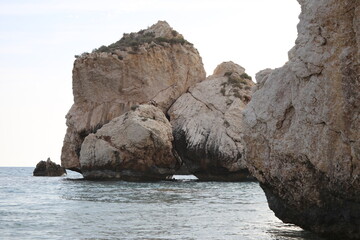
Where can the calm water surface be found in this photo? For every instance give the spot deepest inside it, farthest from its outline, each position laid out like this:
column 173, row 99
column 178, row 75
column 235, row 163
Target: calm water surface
column 72, row 208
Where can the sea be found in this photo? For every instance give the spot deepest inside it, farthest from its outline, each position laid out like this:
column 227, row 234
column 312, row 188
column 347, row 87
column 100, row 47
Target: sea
column 70, row 207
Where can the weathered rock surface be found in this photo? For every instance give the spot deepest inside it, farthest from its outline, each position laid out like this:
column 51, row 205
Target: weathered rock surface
column 48, row 168
column 302, row 126
column 153, row 64
column 207, row 123
column 135, row 146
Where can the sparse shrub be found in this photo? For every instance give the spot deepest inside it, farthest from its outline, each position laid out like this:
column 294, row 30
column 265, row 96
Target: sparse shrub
column 247, row 88
column 174, row 33
column 246, row 76
column 226, row 124
column 84, row 54
column 134, row 107
column 120, row 58
column 161, row 39
column 177, row 40
column 237, row 94
column 134, row 43
column 232, row 80
column 243, row 81
column 103, row 48
column 140, row 38
column 227, row 74
column 235, row 81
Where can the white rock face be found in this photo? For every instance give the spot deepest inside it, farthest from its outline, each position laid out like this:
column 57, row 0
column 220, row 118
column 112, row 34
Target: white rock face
column 156, row 64
column 302, row 126
column 135, row 146
column 207, row 124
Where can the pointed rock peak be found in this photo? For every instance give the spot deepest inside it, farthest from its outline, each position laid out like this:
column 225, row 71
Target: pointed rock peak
column 163, row 30
column 227, row 68
column 230, row 69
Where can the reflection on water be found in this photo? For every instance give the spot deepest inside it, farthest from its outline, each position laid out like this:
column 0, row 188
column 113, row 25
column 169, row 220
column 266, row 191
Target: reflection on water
column 73, row 208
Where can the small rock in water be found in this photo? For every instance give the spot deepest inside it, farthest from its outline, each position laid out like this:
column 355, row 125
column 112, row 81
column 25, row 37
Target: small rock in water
column 48, row 168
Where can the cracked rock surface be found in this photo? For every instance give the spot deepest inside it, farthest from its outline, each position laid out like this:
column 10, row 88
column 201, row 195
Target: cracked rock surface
column 207, row 124
column 155, row 64
column 136, row 146
column 302, row 126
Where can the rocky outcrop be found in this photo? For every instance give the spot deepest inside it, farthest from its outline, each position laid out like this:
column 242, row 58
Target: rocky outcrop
column 155, row 64
column 48, row 168
column 302, row 126
column 135, row 146
column 207, row 124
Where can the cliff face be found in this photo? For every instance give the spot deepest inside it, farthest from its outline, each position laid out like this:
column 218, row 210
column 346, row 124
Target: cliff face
column 155, row 64
column 302, row 127
column 207, row 124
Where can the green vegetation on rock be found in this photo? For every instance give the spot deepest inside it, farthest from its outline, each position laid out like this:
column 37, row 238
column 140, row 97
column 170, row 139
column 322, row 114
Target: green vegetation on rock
column 135, row 40
column 246, row 76
column 237, row 82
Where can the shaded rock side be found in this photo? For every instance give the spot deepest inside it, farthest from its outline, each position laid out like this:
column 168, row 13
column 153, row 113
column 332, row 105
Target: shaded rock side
column 137, row 146
column 302, row 126
column 207, row 124
column 155, row 64
column 48, row 168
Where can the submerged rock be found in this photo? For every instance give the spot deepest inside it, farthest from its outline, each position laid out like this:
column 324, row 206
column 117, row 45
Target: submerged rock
column 136, row 146
column 49, row 169
column 302, row 126
column 156, row 64
column 207, row 124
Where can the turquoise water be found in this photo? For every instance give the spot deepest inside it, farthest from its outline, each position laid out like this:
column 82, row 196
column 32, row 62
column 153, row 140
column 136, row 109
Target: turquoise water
column 72, row 208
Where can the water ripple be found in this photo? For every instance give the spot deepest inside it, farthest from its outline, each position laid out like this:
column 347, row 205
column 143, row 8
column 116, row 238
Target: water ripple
column 73, row 208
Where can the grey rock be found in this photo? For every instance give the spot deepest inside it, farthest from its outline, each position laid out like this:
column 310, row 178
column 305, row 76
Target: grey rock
column 302, row 126
column 137, row 146
column 207, row 123
column 107, row 83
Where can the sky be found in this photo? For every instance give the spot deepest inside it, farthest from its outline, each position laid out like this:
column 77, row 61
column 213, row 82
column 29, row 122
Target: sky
column 38, row 41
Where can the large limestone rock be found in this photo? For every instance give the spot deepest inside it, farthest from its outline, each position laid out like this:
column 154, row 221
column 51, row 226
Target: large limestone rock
column 302, row 129
column 135, row 146
column 154, row 64
column 207, row 123
column 48, row 169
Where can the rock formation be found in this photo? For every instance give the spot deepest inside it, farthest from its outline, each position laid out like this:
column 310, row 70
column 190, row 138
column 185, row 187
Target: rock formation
column 155, row 64
column 207, row 123
column 302, row 126
column 49, row 169
column 135, row 146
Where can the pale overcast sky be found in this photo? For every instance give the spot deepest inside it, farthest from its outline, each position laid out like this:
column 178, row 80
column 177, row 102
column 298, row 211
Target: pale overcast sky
column 38, row 41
